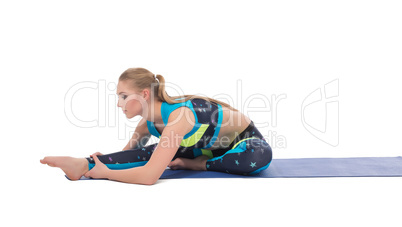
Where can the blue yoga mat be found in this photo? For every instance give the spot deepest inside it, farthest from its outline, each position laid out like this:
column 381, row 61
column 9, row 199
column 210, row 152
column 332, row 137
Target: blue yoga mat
column 309, row 167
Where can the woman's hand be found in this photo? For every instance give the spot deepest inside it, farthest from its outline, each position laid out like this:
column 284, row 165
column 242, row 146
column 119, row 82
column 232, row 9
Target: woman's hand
column 100, row 170
column 96, row 153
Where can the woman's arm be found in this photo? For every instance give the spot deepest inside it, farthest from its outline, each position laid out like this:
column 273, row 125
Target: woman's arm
column 141, row 134
column 168, row 145
column 161, row 157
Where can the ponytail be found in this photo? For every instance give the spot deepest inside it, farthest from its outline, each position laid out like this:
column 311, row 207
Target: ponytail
column 142, row 78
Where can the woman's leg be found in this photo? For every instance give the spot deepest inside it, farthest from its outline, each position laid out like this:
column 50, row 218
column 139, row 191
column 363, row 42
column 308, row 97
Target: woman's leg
column 125, row 159
column 74, row 168
column 247, row 153
column 248, row 157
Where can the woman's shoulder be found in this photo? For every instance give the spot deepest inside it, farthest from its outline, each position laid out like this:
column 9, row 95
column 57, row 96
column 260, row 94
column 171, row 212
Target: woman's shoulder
column 182, row 115
column 181, row 121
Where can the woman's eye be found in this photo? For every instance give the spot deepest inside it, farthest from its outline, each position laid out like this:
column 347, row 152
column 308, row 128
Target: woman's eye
column 124, row 96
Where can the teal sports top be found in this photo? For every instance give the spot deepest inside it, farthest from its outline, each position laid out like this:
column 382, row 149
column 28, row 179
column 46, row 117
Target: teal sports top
column 208, row 120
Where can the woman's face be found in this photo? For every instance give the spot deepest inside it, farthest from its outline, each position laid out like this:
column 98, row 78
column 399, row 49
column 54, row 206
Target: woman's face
column 131, row 102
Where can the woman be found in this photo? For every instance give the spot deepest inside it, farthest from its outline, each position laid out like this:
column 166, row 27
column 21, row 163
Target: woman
column 196, row 133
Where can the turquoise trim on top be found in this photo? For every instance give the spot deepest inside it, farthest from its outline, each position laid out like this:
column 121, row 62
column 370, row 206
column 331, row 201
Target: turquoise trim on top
column 218, row 127
column 167, row 109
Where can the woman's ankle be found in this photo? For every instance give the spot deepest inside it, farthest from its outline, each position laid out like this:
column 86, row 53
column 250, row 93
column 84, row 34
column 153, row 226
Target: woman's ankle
column 84, row 165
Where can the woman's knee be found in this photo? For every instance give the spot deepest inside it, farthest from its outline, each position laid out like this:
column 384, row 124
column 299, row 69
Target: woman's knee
column 267, row 150
column 260, row 156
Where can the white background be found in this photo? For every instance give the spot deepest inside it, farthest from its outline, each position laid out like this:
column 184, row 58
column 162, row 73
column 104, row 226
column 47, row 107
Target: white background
column 277, row 48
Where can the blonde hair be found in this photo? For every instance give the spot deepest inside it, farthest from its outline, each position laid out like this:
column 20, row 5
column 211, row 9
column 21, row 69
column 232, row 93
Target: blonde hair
column 141, row 78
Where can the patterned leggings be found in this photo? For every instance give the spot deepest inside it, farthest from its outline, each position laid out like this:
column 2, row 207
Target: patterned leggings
column 248, row 154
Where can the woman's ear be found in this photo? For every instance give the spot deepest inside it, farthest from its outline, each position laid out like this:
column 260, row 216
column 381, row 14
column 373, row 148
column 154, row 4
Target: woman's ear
column 146, row 94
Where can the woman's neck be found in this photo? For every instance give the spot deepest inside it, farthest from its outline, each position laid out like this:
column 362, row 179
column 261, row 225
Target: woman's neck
column 154, row 113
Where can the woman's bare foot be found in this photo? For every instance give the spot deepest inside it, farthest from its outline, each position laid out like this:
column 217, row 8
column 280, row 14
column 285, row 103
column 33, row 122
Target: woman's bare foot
column 74, row 168
column 193, row 164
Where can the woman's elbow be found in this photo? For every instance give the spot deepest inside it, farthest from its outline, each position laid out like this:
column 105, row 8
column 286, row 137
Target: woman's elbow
column 150, row 181
column 150, row 178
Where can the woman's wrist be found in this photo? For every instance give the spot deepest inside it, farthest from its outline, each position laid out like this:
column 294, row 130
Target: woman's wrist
column 108, row 174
